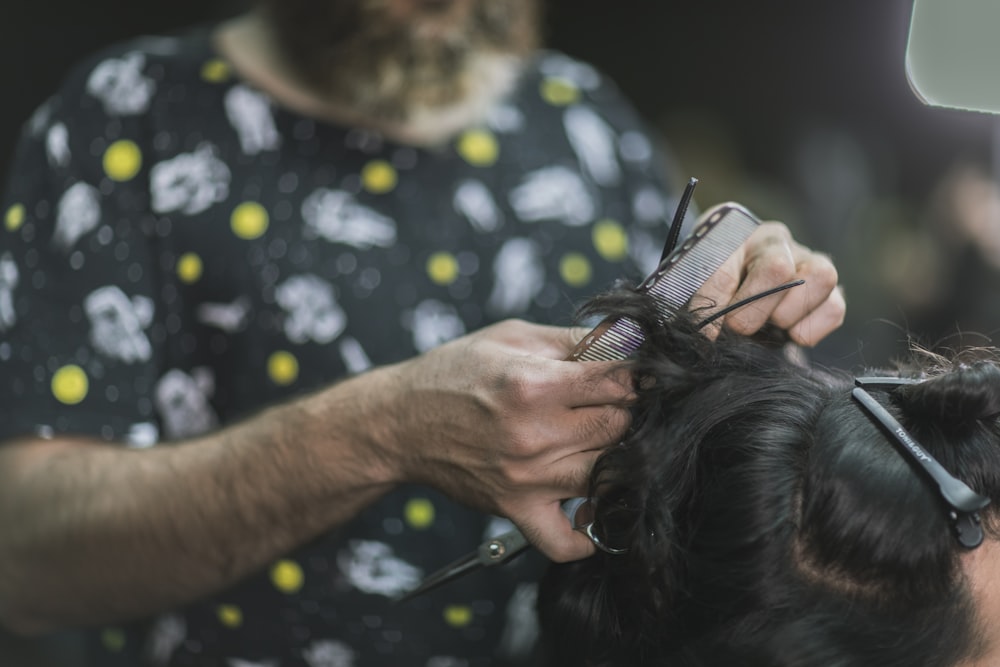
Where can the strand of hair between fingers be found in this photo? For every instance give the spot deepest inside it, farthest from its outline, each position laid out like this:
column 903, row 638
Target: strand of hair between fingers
column 750, row 299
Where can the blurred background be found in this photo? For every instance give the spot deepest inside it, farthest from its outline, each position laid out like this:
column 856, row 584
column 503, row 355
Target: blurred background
column 801, row 111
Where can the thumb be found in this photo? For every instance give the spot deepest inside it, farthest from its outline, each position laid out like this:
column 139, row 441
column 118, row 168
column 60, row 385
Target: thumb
column 551, row 532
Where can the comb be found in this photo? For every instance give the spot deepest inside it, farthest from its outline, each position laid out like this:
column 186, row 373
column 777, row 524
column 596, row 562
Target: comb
column 719, row 232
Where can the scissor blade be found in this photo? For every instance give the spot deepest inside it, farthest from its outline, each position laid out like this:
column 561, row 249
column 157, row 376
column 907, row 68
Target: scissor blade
column 494, row 551
column 444, row 575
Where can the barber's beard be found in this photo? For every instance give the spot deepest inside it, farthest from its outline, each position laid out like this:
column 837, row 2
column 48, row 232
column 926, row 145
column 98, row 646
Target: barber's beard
column 431, row 74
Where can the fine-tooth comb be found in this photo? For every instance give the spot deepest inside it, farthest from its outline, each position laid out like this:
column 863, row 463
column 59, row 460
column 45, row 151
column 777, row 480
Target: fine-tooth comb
column 719, row 232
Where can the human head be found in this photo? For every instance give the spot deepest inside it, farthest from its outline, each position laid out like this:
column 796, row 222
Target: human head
column 395, row 59
column 770, row 522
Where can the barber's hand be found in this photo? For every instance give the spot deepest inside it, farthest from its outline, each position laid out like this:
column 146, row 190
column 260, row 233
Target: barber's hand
column 499, row 421
column 769, row 258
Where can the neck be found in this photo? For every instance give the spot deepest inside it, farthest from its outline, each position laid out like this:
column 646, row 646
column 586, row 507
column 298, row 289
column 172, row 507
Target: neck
column 250, row 46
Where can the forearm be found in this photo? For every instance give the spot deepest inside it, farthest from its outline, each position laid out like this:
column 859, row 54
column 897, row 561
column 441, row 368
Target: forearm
column 94, row 533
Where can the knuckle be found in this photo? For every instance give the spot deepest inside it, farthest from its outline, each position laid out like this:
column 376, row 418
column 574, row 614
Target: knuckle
column 514, row 387
column 520, row 448
column 726, row 281
column 591, row 430
column 777, row 268
column 840, row 305
column 823, row 273
column 515, row 476
column 775, row 231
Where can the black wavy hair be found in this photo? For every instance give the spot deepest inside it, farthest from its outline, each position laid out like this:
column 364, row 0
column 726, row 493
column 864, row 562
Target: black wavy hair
column 768, row 520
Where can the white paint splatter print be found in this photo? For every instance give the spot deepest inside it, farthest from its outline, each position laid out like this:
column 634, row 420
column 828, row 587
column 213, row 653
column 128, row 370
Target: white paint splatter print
column 553, row 193
column 41, row 117
column 311, row 310
column 336, row 216
column 190, row 182
column 77, row 213
column 497, row 526
column 121, row 86
column 505, row 118
column 371, row 567
column 328, row 653
column 519, row 276
column 475, row 201
column 648, row 206
column 594, row 142
column 167, row 633
column 8, row 281
column 57, row 145
column 142, row 435
column 521, row 630
column 355, row 358
column 117, row 323
column 182, row 402
column 434, row 323
column 249, row 113
column 229, row 317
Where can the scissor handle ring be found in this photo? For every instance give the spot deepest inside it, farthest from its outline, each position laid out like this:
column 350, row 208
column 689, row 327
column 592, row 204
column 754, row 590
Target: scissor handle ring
column 573, row 508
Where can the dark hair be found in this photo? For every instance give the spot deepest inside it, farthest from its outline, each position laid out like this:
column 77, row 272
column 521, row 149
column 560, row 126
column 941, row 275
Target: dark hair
column 768, row 520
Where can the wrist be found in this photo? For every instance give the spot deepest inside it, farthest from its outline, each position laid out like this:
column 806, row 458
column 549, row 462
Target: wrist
column 351, row 426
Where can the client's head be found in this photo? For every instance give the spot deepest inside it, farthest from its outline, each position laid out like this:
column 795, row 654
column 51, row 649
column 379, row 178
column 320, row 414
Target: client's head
column 770, row 521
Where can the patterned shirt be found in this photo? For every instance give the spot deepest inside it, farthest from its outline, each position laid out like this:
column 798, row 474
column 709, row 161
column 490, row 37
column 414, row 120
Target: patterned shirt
column 178, row 251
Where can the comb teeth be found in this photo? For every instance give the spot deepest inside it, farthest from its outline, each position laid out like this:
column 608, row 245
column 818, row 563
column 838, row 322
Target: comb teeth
column 684, row 272
column 617, row 341
column 677, row 278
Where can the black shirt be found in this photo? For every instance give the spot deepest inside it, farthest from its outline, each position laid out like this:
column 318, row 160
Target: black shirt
column 179, row 251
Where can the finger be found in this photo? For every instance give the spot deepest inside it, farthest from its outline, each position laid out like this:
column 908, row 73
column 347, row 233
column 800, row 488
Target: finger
column 821, row 281
column 770, row 262
column 717, row 292
column 548, row 529
column 821, row 321
column 581, row 432
column 593, row 383
column 569, row 475
column 600, row 427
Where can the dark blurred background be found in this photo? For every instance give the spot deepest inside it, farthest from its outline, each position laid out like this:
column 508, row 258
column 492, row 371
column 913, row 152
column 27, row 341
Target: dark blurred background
column 799, row 110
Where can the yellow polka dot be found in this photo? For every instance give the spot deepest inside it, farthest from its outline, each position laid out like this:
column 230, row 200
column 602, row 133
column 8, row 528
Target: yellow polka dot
column 378, row 177
column 286, row 575
column 610, row 240
column 215, row 70
column 457, row 615
column 69, row 385
column 419, row 513
column 283, row 367
column 442, row 267
column 559, row 92
column 575, row 269
column 14, row 217
column 479, row 148
column 249, row 220
column 122, row 160
column 189, row 267
column 113, row 639
column 230, row 615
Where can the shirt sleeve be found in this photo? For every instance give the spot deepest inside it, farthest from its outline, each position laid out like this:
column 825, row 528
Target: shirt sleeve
column 79, row 332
